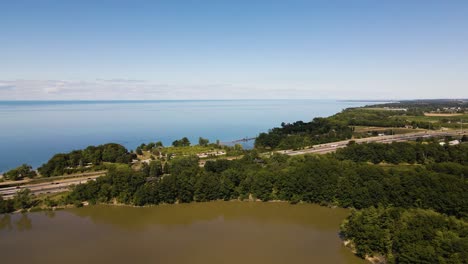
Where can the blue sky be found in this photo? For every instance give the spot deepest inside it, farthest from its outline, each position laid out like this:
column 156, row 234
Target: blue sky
column 362, row 49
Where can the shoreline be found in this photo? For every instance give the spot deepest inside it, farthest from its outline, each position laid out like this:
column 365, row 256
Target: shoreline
column 224, row 134
column 117, row 204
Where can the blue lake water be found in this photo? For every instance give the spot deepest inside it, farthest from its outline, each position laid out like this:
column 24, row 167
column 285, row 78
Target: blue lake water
column 32, row 131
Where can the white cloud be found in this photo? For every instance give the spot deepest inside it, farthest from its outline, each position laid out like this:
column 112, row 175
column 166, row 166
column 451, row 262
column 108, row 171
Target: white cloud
column 126, row 89
column 120, row 89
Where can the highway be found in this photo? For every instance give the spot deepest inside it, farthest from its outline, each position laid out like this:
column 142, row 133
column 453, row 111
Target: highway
column 47, row 187
column 332, row 147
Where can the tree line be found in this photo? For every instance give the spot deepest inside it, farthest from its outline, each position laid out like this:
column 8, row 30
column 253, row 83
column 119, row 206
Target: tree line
column 404, row 152
column 419, row 107
column 78, row 160
column 300, row 134
column 314, row 179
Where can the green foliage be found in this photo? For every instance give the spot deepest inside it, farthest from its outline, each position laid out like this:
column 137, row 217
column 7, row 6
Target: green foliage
column 23, row 199
column 6, row 206
column 340, row 126
column 203, row 141
column 262, row 185
column 408, row 236
column 152, row 147
column 138, row 151
column 449, row 168
column 300, row 134
column 60, row 164
column 217, row 166
column 153, row 169
column 419, row 107
column 207, row 187
column 184, row 142
column 314, row 179
column 167, row 189
column 20, row 173
column 371, row 117
column 399, row 152
column 295, row 199
column 50, row 203
column 184, row 164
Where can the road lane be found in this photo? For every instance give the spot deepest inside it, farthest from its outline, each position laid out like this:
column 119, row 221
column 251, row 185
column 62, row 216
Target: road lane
column 47, row 187
column 331, row 147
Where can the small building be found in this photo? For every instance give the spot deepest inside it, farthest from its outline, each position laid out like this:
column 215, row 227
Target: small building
column 210, row 154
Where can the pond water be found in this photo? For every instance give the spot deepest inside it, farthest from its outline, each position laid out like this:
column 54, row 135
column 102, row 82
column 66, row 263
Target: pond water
column 216, row 232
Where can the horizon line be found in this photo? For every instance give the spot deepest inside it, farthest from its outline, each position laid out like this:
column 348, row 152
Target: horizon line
column 235, row 99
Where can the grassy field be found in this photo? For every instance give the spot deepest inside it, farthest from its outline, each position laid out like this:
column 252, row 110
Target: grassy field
column 382, row 109
column 444, row 121
column 52, row 196
column 438, row 118
column 181, row 151
column 398, row 167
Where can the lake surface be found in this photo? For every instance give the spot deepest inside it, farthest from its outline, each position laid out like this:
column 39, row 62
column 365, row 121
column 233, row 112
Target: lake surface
column 32, row 131
column 216, row 232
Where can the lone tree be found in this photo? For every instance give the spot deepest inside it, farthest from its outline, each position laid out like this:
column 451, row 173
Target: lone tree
column 139, row 151
column 203, row 141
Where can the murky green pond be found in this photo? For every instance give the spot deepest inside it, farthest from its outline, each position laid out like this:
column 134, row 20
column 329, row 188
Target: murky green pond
column 217, row 232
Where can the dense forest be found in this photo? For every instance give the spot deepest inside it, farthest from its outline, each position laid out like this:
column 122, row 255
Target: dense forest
column 404, row 152
column 77, row 160
column 317, row 179
column 381, row 118
column 300, row 134
column 370, row 117
column 407, row 236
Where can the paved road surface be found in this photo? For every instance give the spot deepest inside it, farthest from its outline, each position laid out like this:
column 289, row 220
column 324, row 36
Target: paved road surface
column 47, row 187
column 331, row 147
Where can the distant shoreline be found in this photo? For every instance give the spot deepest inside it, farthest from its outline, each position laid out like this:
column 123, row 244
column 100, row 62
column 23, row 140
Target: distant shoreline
column 178, row 101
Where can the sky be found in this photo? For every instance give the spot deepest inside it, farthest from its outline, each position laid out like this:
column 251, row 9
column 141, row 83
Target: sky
column 242, row 49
